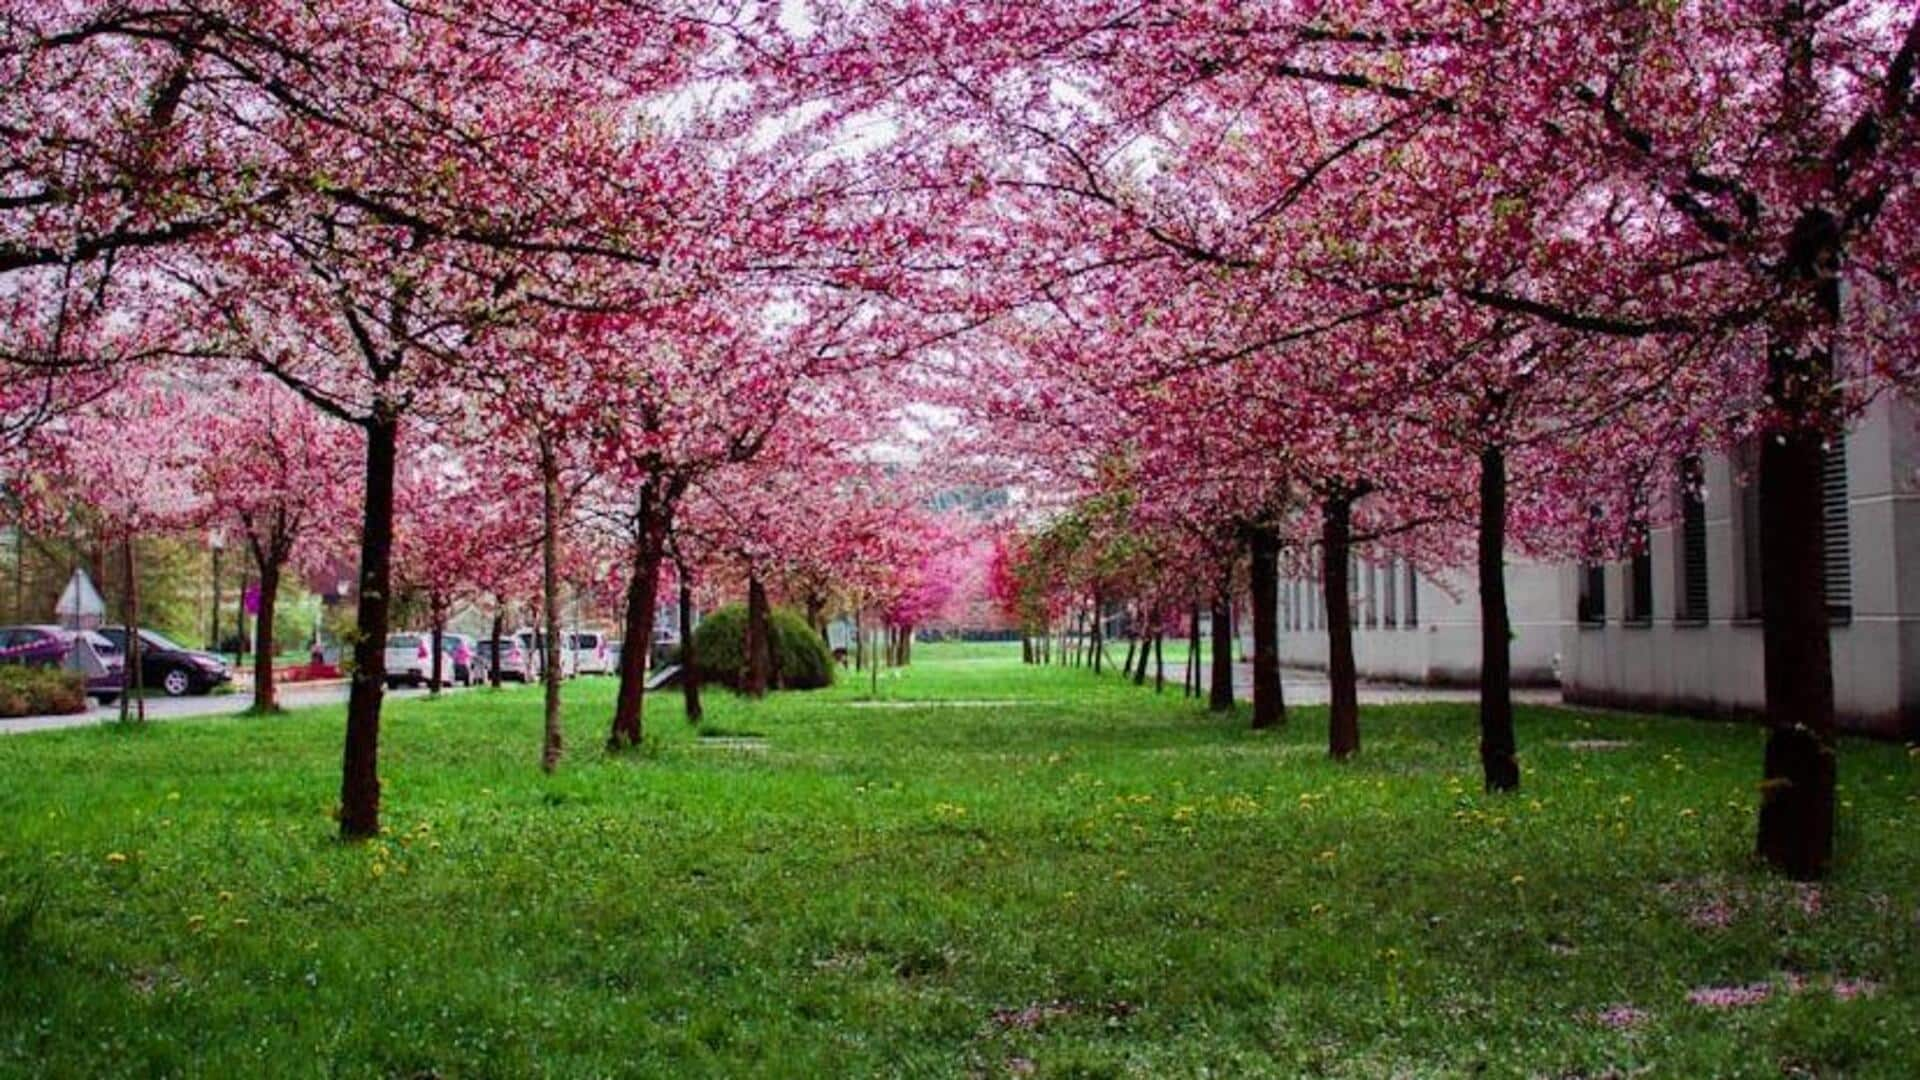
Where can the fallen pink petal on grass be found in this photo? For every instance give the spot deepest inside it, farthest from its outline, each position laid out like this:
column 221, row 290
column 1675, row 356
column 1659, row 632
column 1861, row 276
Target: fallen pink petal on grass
column 1730, row 997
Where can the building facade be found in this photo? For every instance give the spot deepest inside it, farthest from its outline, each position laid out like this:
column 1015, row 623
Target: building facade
column 1416, row 628
column 1676, row 628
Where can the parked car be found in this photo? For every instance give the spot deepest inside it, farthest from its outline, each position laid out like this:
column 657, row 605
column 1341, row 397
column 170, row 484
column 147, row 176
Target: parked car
column 96, row 658
column 536, row 641
column 515, row 663
column 410, row 660
column 169, row 667
column 463, row 659
column 590, row 653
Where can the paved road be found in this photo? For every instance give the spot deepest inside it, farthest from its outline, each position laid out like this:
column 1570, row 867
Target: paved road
column 291, row 697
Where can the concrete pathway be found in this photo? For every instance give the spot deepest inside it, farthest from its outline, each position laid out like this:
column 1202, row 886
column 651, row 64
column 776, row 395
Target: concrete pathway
column 293, row 696
column 1300, row 686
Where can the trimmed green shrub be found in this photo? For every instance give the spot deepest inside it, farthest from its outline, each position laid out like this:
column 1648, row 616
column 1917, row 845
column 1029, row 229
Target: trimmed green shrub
column 32, row 691
column 800, row 658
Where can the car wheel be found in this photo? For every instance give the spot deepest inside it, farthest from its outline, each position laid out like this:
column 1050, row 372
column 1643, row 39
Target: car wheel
column 393, row 684
column 176, row 682
column 107, row 700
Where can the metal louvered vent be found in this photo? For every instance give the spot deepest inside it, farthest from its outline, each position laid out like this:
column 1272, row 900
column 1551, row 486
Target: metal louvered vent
column 1693, row 545
column 1837, row 533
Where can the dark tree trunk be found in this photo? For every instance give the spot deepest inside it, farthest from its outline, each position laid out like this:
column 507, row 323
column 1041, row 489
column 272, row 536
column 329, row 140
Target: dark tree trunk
column 265, row 693
column 759, row 674
column 689, row 658
column 553, row 740
column 134, row 693
column 1336, row 544
column 643, row 591
column 360, row 765
column 1126, row 665
column 499, row 629
column 436, row 675
column 1140, row 671
column 1096, row 640
column 1026, row 649
column 1159, row 663
column 1220, row 695
column 1797, row 797
column 816, row 618
column 1192, row 684
column 1499, row 766
column 1269, row 707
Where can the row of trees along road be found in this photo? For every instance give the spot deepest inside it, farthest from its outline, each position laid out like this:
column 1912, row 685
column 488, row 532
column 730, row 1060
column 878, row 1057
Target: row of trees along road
column 1263, row 282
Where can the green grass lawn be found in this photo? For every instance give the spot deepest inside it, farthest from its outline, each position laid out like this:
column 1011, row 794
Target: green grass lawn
column 997, row 870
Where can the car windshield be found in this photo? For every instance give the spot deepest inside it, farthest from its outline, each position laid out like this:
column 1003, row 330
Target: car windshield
column 153, row 640
column 404, row 641
column 101, row 643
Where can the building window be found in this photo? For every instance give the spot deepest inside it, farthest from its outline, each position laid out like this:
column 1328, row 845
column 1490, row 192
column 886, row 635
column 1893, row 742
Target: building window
column 1373, row 597
column 1837, row 532
column 1690, row 599
column 1413, row 597
column 1389, row 594
column 1593, row 594
column 1637, row 606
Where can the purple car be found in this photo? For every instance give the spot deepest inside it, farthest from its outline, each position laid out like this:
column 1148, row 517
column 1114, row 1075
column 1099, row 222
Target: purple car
column 95, row 658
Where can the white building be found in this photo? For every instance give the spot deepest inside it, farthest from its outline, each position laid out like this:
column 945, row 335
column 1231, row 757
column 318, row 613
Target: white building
column 1676, row 629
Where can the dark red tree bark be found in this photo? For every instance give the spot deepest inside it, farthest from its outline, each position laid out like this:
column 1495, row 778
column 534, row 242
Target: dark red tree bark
column 1336, row 549
column 759, row 645
column 1269, row 706
column 1220, row 695
column 360, row 764
column 1499, row 766
column 1797, row 795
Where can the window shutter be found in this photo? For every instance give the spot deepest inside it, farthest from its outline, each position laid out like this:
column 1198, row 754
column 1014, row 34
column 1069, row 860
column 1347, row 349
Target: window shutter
column 1693, row 545
column 1837, row 532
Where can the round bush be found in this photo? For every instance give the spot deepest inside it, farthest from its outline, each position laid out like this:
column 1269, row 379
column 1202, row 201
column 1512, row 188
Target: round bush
column 800, row 658
column 30, row 691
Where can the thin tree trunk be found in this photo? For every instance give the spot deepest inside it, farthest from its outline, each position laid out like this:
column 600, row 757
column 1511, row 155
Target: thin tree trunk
column 1795, row 833
column 499, row 629
column 1097, row 642
column 689, row 659
column 1126, row 666
column 1498, row 763
column 553, row 741
column 759, row 644
column 1220, row 697
column 643, row 591
column 134, row 691
column 1159, row 663
column 436, row 673
column 1191, row 686
column 266, row 696
column 1336, row 546
column 1269, row 708
column 360, row 759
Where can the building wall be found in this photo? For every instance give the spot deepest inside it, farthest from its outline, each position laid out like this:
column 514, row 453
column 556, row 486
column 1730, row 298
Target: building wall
column 1716, row 667
column 1712, row 666
column 1442, row 646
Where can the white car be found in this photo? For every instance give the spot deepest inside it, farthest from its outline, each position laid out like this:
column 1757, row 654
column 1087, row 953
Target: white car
column 410, row 661
column 515, row 662
column 590, row 653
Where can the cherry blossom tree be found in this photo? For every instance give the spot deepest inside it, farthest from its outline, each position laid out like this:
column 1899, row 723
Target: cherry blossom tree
column 269, row 468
